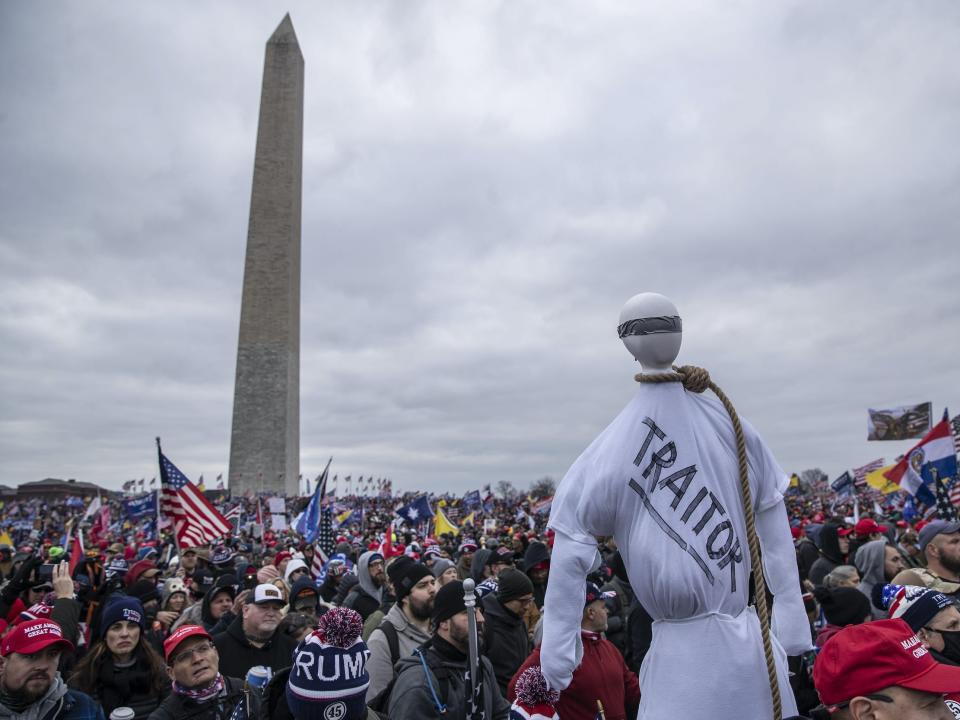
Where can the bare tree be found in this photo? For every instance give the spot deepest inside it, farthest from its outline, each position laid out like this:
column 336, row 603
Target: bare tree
column 543, row 488
column 813, row 476
column 506, row 489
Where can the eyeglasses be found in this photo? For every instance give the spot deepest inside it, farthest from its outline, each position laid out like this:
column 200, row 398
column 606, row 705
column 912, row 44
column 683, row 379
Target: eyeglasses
column 872, row 696
column 199, row 649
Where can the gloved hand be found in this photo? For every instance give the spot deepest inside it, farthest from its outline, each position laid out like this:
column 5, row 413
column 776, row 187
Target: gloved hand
column 21, row 579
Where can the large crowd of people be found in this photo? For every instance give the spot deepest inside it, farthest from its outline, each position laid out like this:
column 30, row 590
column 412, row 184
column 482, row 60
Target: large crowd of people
column 255, row 626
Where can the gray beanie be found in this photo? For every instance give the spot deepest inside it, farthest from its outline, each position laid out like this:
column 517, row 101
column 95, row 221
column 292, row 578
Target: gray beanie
column 440, row 566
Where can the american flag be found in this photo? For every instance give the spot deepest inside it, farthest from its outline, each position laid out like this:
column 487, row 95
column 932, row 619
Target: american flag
column 195, row 520
column 954, row 492
column 323, row 545
column 860, row 473
column 945, row 510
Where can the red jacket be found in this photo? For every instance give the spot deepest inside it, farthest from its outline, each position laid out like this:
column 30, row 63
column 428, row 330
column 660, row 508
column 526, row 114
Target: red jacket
column 602, row 675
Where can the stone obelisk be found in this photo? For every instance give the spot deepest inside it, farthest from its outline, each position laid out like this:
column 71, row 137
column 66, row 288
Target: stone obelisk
column 265, row 440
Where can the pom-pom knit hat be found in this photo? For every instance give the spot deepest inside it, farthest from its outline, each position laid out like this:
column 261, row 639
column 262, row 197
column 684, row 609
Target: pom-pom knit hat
column 329, row 676
column 534, row 700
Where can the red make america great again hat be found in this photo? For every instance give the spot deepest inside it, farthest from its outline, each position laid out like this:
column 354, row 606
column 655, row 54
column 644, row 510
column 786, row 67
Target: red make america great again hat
column 31, row 637
column 862, row 659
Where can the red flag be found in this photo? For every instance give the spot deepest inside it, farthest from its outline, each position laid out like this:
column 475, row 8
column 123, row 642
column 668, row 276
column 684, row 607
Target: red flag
column 386, row 547
column 77, row 553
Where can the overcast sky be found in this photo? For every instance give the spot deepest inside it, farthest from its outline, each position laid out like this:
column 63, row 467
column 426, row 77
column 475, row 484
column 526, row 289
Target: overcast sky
column 484, row 186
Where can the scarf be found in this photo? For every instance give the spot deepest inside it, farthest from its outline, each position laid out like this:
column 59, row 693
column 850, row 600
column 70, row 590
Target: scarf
column 201, row 695
column 118, row 684
column 12, row 706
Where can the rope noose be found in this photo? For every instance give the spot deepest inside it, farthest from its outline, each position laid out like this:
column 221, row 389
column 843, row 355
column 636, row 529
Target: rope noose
column 697, row 380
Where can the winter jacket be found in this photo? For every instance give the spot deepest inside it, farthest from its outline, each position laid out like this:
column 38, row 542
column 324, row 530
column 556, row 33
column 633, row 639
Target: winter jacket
column 807, row 555
column 830, row 555
column 602, row 675
column 380, row 664
column 827, row 632
column 347, row 583
column 412, row 699
column 59, row 703
column 364, row 597
column 506, row 642
column 237, row 655
column 536, row 553
column 179, row 707
column 131, row 687
column 199, row 614
column 618, row 628
column 479, row 562
column 869, row 561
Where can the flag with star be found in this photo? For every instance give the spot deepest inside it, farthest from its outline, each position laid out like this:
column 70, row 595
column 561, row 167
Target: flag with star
column 416, row 511
column 945, row 509
column 195, row 520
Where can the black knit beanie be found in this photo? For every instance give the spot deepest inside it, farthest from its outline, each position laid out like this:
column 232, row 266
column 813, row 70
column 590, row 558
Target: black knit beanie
column 513, row 584
column 404, row 573
column 448, row 602
column 843, row 606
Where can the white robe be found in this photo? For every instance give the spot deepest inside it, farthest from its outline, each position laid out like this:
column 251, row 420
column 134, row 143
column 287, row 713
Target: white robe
column 673, row 505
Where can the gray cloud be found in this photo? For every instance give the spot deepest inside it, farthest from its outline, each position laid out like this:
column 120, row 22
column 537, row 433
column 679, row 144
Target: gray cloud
column 484, row 186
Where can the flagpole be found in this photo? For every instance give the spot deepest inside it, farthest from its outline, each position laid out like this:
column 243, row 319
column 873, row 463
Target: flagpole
column 176, row 540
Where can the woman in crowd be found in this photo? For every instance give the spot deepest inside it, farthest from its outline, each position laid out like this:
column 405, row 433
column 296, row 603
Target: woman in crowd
column 121, row 669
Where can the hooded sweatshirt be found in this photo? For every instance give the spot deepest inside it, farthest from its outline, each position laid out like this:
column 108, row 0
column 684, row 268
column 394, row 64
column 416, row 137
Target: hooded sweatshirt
column 869, row 561
column 536, row 553
column 58, row 702
column 479, row 562
column 366, row 597
column 830, row 555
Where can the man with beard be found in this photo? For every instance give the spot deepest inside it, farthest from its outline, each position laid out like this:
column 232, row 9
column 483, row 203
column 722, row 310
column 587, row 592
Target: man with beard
column 939, row 541
column 407, row 624
column 431, row 683
column 878, row 563
column 254, row 638
column 199, row 690
column 366, row 596
column 30, row 686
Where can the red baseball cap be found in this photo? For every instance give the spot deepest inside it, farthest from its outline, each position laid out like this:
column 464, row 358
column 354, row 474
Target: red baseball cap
column 182, row 633
column 843, row 532
column 868, row 526
column 281, row 556
column 862, row 659
column 33, row 636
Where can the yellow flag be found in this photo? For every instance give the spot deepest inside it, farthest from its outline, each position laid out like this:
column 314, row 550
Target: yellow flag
column 877, row 479
column 441, row 525
column 795, row 480
column 468, row 520
column 5, row 539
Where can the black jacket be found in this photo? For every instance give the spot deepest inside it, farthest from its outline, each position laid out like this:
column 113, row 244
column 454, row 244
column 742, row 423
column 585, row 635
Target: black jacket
column 830, row 555
column 178, row 707
column 807, row 555
column 411, row 697
column 360, row 600
column 131, row 687
column 536, row 553
column 237, row 655
column 506, row 642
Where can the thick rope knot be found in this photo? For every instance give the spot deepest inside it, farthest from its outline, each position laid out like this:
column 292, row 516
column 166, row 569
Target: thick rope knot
column 693, row 378
column 697, row 380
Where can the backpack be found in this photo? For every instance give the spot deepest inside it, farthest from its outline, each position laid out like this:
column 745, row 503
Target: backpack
column 381, row 703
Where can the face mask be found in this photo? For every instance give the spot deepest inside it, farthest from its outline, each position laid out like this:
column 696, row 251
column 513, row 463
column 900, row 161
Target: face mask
column 951, row 645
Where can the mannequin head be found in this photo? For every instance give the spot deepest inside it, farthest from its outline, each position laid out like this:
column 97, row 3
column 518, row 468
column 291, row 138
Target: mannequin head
column 651, row 329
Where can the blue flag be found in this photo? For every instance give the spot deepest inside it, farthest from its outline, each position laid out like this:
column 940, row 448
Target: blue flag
column 416, row 510
column 472, row 500
column 142, row 506
column 309, row 524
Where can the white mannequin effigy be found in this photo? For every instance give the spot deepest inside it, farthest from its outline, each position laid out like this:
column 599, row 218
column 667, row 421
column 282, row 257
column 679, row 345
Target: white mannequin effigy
column 663, row 479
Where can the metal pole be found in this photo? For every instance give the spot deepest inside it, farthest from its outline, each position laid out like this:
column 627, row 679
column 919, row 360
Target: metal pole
column 470, row 601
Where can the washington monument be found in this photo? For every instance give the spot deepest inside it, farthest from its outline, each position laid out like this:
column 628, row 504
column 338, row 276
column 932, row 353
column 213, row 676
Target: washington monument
column 265, row 441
